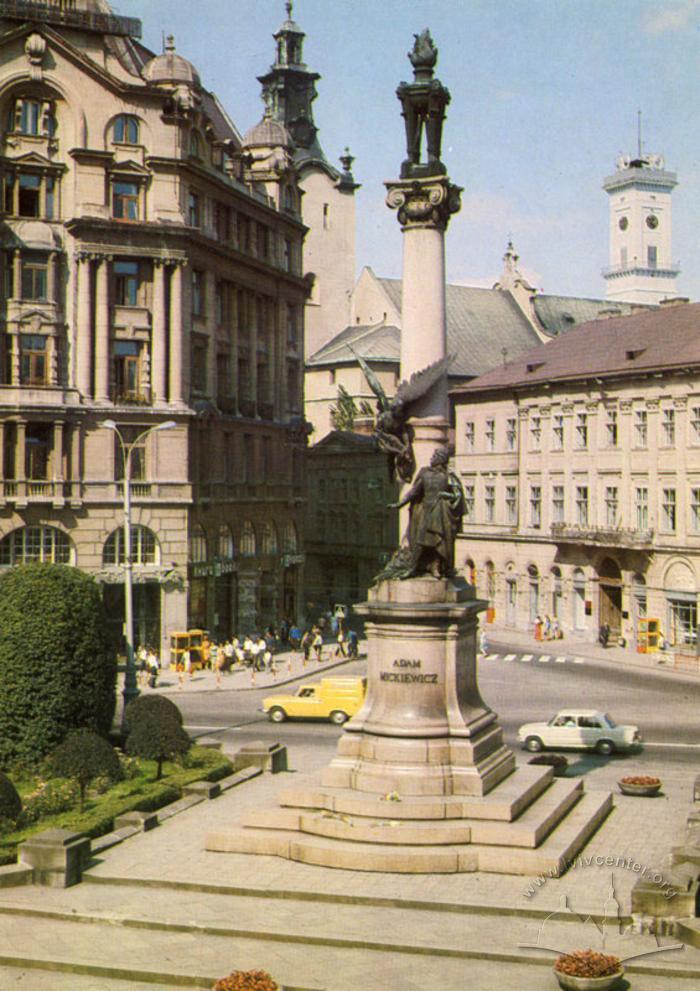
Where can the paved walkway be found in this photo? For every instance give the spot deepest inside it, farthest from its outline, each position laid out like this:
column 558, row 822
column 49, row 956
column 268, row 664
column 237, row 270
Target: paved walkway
column 160, row 911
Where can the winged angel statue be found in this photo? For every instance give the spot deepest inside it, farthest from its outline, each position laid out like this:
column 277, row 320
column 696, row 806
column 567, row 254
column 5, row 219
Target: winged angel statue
column 392, row 430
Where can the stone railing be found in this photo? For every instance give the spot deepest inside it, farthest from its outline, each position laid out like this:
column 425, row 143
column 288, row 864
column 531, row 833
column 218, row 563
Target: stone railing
column 615, row 536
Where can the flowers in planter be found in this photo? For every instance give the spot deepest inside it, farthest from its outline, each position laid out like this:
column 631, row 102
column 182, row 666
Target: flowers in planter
column 587, row 963
column 641, row 779
column 247, row 980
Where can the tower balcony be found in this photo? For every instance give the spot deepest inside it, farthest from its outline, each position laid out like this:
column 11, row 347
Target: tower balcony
column 657, row 272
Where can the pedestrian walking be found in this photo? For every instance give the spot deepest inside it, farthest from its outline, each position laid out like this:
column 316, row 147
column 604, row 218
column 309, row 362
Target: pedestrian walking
column 340, row 650
column 353, row 644
column 318, row 645
column 186, row 667
column 483, row 645
column 153, row 665
column 306, row 642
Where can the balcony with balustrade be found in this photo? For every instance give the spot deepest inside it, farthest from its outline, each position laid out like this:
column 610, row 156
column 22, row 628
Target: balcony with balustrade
column 569, row 533
column 68, row 13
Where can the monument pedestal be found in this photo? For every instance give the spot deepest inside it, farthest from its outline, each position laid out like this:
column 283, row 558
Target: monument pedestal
column 422, row 782
column 424, row 729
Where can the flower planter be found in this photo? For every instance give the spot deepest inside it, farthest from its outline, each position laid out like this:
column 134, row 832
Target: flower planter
column 569, row 982
column 641, row 785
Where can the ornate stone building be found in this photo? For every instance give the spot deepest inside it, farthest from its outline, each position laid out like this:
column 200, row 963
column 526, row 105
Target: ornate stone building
column 581, row 467
column 149, row 274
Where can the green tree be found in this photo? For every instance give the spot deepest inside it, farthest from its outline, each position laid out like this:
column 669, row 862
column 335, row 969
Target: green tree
column 158, row 738
column 345, row 410
column 58, row 668
column 147, row 706
column 84, row 756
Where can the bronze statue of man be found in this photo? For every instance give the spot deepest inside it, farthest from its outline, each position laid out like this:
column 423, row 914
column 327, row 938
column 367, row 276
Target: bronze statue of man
column 436, row 501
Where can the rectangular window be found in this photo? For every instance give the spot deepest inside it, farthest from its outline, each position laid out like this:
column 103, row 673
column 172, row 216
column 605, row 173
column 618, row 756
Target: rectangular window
column 50, row 197
column 30, row 117
column 668, row 425
column 263, row 242
column 695, row 510
column 127, row 379
column 29, row 196
column 557, row 504
column 511, row 504
column 695, row 424
column 611, row 427
column 37, row 450
column 34, row 278
column 490, row 435
column 652, row 256
column 33, row 359
column 490, row 502
column 125, row 201
column 511, row 434
column 137, row 462
column 535, row 433
column 668, row 509
column 611, row 505
column 582, row 505
column 641, row 505
column 288, row 255
column 126, row 283
column 220, row 302
column 640, row 427
column 222, row 220
column 193, row 210
column 469, row 435
column 469, row 503
column 197, row 293
column 199, row 367
column 536, row 506
column 292, row 327
column 582, row 430
column 223, row 375
column 558, row 432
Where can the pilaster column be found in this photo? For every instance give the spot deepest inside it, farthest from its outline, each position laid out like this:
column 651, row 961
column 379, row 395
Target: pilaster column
column 177, row 337
column 51, row 277
column 83, row 332
column 2, row 450
column 102, row 332
column 17, row 274
column 159, row 382
column 21, row 452
column 14, row 359
column 57, row 453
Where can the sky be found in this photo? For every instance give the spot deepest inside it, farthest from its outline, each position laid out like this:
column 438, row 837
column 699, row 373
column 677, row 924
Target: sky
column 545, row 95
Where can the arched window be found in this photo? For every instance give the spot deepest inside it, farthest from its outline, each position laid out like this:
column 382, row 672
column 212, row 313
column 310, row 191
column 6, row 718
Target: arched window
column 144, row 546
column 289, row 538
column 226, row 548
column 248, row 539
column 126, row 129
column 269, row 538
column 198, row 545
column 36, row 543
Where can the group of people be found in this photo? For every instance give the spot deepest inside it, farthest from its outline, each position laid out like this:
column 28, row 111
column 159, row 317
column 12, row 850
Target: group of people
column 547, row 628
column 257, row 651
column 148, row 666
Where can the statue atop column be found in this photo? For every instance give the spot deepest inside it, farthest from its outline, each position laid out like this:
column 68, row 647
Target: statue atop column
column 423, row 105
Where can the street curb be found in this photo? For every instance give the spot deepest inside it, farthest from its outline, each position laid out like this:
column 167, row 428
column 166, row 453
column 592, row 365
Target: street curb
column 305, row 673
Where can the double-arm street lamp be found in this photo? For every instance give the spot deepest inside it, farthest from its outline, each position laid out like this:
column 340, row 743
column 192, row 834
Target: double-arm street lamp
column 130, row 687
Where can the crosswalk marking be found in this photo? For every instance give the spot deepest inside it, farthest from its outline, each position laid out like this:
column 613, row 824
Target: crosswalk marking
column 560, row 660
column 509, row 657
column 578, row 660
column 492, row 657
column 544, row 658
column 525, row 658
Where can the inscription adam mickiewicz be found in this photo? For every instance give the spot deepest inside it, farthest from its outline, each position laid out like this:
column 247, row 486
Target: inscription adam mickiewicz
column 414, row 676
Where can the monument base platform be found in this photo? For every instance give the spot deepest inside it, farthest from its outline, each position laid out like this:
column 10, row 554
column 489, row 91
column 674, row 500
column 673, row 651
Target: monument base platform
column 530, row 823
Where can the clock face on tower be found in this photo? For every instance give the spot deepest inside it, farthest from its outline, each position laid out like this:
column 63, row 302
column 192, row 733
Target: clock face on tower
column 652, row 221
column 623, row 223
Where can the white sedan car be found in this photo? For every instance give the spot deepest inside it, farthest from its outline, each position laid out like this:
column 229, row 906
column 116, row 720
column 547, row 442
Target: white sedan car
column 579, row 729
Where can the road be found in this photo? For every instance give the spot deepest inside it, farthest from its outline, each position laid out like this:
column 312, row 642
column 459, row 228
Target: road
column 519, row 689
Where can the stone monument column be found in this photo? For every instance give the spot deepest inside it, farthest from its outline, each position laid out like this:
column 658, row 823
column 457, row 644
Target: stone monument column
column 424, row 199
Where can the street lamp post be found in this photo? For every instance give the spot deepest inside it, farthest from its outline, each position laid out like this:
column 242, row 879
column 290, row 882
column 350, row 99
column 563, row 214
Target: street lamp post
column 130, row 686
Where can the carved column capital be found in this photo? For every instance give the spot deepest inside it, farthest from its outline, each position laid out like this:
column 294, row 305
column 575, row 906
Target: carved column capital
column 427, row 203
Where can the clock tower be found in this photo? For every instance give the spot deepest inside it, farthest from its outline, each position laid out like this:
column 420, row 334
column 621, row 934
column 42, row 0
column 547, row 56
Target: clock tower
column 641, row 269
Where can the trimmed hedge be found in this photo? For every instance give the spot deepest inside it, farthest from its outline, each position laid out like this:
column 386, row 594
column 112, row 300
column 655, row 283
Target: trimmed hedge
column 58, row 670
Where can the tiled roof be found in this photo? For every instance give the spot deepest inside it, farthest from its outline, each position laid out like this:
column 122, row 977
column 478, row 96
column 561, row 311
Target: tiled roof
column 481, row 323
column 558, row 314
column 662, row 338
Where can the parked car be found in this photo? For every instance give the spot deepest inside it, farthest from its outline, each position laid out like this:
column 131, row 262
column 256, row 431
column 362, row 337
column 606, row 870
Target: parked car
column 337, row 699
column 579, row 729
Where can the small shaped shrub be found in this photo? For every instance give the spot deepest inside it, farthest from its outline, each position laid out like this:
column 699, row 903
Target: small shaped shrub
column 159, row 739
column 84, row 756
column 247, row 980
column 144, row 706
column 10, row 802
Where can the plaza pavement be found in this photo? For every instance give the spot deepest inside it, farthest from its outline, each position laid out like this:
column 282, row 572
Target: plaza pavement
column 159, row 911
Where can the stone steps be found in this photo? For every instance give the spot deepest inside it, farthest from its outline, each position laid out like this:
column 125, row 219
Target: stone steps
column 133, row 937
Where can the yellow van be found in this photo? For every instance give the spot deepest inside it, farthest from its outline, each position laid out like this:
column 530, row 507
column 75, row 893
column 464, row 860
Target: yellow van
column 336, row 699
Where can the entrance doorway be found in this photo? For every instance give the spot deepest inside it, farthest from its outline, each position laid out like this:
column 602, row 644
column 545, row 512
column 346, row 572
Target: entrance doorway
column 610, row 597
